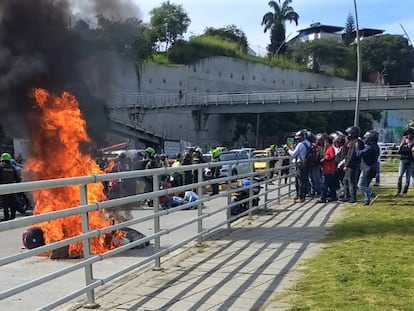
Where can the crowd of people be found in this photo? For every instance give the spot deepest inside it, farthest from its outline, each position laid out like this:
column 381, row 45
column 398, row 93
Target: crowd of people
column 328, row 166
column 333, row 166
column 149, row 159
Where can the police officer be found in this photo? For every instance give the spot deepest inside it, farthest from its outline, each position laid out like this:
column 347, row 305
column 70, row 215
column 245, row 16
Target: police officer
column 8, row 174
column 215, row 171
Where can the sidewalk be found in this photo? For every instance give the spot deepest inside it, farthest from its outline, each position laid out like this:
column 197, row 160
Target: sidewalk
column 241, row 271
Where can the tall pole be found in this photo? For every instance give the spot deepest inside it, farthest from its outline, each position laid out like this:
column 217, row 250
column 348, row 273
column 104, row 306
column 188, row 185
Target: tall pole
column 359, row 69
column 257, row 129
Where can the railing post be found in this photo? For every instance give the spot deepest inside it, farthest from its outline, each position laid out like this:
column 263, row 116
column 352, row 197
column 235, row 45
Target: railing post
column 266, row 186
column 250, row 198
column 156, row 202
column 200, row 206
column 90, row 294
column 228, row 214
column 279, row 184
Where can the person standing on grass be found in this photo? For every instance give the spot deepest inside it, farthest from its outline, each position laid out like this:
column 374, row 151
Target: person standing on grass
column 352, row 163
column 369, row 160
column 328, row 170
column 405, row 150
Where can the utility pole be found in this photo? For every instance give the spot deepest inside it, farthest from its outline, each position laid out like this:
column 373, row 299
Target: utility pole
column 359, row 69
column 257, row 129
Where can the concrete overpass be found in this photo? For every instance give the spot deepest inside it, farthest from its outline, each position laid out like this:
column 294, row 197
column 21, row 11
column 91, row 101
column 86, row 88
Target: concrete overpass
column 202, row 105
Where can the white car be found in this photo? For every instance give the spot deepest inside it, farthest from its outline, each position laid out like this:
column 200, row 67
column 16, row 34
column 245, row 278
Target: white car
column 236, row 168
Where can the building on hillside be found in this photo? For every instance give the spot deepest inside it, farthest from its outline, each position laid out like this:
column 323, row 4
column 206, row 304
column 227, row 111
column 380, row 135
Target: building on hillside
column 317, row 31
column 368, row 32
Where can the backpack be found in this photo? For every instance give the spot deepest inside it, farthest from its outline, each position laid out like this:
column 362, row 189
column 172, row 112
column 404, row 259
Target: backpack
column 312, row 156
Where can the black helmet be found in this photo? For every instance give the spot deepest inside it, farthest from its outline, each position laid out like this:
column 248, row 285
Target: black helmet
column 408, row 131
column 310, row 136
column 301, row 135
column 371, row 137
column 33, row 238
column 353, row 131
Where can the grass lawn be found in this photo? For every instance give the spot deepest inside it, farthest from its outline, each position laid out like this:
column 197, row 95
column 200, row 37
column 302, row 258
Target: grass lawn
column 367, row 262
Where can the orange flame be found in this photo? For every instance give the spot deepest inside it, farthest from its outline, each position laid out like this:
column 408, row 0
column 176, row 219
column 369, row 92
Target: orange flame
column 56, row 154
column 110, row 167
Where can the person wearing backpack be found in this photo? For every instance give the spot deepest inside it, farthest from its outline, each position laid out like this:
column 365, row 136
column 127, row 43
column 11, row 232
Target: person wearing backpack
column 302, row 171
column 369, row 159
column 352, row 164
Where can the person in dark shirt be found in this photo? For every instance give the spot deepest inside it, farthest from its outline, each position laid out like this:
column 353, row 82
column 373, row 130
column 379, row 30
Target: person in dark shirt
column 352, row 163
column 8, row 174
column 369, row 159
column 406, row 150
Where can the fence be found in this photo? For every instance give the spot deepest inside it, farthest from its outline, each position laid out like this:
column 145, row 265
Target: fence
column 30, row 281
column 389, row 152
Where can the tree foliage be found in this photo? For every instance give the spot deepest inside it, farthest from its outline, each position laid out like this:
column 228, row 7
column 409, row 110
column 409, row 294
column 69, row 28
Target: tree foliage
column 320, row 53
column 389, row 54
column 275, row 127
column 168, row 23
column 275, row 22
column 128, row 38
column 229, row 33
column 349, row 35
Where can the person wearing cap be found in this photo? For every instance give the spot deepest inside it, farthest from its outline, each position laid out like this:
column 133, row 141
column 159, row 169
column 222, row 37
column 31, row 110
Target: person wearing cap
column 8, row 174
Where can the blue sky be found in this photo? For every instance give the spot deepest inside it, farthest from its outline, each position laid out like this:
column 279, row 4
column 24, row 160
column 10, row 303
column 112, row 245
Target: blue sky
column 247, row 15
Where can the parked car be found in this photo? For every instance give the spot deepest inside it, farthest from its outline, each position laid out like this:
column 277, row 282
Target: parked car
column 248, row 151
column 234, row 168
column 260, row 166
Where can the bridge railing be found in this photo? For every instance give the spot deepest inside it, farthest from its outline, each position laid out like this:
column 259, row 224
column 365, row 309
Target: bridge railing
column 194, row 100
column 205, row 221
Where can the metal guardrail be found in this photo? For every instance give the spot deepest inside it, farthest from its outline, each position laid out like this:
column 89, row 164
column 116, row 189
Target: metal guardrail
column 389, row 151
column 199, row 100
column 270, row 194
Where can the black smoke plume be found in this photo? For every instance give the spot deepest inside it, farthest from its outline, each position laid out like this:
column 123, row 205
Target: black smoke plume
column 38, row 48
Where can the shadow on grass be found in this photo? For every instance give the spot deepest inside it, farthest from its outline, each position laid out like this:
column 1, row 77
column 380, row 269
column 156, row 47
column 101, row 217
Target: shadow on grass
column 389, row 214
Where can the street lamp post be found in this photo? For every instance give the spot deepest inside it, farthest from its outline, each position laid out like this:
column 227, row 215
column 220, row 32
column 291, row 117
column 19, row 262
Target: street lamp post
column 359, row 69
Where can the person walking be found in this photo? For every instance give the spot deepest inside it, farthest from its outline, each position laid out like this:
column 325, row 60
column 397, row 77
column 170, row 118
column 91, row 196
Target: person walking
column 406, row 160
column 302, row 171
column 8, row 174
column 369, row 159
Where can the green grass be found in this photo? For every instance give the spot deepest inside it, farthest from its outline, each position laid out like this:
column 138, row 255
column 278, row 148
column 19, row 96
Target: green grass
column 390, row 166
column 367, row 262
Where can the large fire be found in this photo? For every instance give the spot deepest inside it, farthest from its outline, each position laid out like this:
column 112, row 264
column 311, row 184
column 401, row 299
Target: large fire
column 57, row 154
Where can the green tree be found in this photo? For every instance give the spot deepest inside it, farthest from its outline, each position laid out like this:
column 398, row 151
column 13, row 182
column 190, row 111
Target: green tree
column 230, row 33
column 319, row 54
column 129, row 38
column 275, row 22
column 168, row 23
column 389, row 54
column 349, row 35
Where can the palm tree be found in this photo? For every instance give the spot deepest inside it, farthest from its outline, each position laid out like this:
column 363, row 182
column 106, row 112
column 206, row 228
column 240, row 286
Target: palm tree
column 275, row 21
